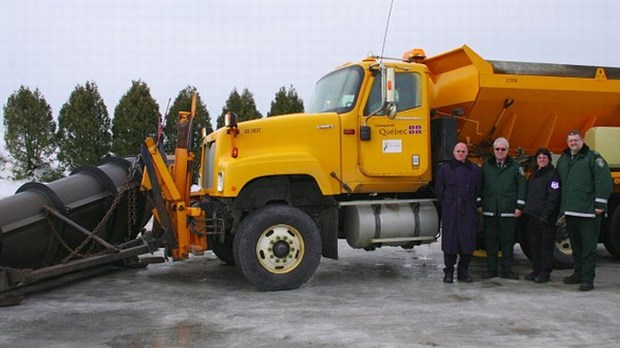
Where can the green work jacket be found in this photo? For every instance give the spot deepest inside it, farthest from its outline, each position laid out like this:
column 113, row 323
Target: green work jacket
column 503, row 189
column 586, row 182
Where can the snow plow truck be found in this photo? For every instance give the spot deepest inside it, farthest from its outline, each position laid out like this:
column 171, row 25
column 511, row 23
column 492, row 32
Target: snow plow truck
column 276, row 194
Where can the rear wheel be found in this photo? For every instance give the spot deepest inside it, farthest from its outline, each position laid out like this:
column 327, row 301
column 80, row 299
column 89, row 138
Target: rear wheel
column 277, row 247
column 612, row 236
column 563, row 252
column 522, row 236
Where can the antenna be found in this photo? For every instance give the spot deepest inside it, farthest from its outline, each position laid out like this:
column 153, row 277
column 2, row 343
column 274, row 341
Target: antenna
column 387, row 25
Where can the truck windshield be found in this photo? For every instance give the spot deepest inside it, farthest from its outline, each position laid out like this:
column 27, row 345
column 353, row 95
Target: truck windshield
column 338, row 91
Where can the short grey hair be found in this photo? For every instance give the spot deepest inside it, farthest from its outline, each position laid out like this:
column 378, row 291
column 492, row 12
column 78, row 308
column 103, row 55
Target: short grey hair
column 503, row 141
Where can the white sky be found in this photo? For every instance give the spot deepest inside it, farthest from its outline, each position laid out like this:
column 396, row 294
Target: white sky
column 264, row 45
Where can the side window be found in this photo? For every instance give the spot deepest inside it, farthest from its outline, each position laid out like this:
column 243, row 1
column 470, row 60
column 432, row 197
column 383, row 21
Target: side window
column 407, row 93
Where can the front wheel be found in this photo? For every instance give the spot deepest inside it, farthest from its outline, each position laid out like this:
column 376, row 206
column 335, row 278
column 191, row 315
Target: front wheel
column 277, row 247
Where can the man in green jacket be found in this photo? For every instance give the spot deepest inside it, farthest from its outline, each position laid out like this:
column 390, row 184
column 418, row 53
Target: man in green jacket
column 586, row 186
column 503, row 198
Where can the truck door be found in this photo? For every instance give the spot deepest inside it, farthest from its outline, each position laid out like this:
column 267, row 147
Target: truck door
column 398, row 146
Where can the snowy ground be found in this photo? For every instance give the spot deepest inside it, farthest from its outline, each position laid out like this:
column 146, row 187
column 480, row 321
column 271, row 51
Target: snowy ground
column 387, row 298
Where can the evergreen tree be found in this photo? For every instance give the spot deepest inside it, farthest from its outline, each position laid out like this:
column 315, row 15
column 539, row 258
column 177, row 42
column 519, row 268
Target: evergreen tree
column 83, row 128
column 28, row 132
column 243, row 105
column 183, row 102
column 286, row 102
column 135, row 118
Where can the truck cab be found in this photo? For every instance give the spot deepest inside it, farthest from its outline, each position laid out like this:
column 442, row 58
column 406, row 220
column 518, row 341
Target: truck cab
column 380, row 152
column 355, row 165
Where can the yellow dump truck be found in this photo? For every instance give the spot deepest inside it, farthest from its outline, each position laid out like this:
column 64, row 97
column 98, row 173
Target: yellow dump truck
column 359, row 163
column 278, row 193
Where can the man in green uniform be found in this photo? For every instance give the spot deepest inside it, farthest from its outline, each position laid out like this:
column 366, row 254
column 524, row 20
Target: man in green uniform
column 586, row 186
column 503, row 198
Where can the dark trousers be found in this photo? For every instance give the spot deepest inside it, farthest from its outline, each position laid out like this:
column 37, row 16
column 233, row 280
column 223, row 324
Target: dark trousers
column 583, row 234
column 499, row 234
column 541, row 237
column 449, row 261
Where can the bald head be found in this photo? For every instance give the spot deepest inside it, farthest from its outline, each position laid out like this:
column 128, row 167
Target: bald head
column 460, row 152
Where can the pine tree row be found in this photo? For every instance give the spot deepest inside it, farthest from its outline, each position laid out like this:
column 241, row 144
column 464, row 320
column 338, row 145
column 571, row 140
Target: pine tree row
column 42, row 149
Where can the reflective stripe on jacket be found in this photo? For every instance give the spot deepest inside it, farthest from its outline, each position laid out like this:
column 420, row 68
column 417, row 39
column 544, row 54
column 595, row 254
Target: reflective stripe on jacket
column 586, row 182
column 503, row 189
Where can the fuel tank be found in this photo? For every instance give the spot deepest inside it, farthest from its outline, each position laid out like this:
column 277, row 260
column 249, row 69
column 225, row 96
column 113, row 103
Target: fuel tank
column 390, row 223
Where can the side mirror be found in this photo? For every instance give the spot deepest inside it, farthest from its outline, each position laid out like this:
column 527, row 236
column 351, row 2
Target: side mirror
column 230, row 120
column 388, row 90
column 388, row 85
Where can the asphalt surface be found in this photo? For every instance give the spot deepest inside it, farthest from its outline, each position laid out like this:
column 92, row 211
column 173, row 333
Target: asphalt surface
column 390, row 297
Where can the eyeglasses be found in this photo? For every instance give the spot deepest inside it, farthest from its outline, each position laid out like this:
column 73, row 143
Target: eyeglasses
column 500, row 149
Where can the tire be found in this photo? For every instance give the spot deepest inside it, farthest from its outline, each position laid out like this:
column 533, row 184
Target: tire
column 612, row 235
column 524, row 242
column 563, row 252
column 223, row 251
column 277, row 247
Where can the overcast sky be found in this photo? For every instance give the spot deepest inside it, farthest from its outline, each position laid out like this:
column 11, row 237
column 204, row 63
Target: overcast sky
column 263, row 45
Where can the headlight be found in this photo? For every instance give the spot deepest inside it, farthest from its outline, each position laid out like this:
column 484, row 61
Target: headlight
column 220, row 181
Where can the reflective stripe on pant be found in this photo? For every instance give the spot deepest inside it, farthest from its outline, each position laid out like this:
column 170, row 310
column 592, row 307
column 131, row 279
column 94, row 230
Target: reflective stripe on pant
column 583, row 234
column 499, row 234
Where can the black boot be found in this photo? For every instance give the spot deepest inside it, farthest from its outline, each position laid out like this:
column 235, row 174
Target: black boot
column 463, row 274
column 448, row 272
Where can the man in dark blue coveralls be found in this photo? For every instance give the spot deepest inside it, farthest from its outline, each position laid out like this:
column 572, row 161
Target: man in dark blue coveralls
column 457, row 186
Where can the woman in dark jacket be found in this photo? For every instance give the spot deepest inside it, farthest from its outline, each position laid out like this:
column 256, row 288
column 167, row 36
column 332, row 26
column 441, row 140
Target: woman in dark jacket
column 541, row 207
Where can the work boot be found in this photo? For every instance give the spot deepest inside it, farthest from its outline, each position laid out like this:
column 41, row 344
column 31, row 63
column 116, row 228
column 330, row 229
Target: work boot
column 585, row 286
column 465, row 278
column 531, row 276
column 542, row 278
column 510, row 275
column 489, row 274
column 463, row 274
column 572, row 279
column 448, row 276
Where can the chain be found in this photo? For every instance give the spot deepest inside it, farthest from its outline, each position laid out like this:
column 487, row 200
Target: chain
column 132, row 213
column 17, row 275
column 59, row 237
column 130, row 188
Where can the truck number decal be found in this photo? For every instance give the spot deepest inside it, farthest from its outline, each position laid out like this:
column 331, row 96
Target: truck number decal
column 512, row 80
column 251, row 130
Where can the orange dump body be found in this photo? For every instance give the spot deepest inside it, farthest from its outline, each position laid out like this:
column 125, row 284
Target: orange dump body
column 545, row 100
